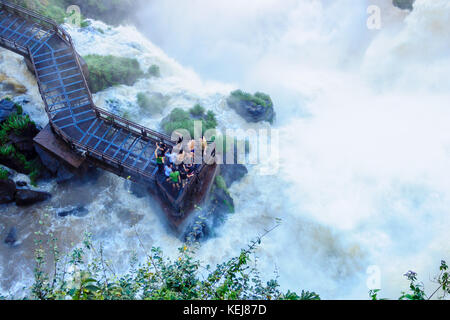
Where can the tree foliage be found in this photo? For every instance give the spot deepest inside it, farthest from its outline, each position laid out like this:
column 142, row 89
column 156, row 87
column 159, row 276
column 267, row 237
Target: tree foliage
column 181, row 119
column 85, row 274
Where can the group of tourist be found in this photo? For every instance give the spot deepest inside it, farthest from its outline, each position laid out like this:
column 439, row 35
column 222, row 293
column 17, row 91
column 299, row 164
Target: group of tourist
column 177, row 167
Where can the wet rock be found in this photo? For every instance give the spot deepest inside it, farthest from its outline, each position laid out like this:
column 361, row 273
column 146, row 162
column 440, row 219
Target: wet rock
column 54, row 167
column 404, row 4
column 7, row 191
column 11, row 238
column 197, row 231
column 29, row 197
column 24, row 142
column 232, row 173
column 64, row 175
column 6, row 108
column 79, row 211
column 21, row 184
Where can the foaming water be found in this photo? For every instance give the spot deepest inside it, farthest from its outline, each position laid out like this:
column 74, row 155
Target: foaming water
column 364, row 142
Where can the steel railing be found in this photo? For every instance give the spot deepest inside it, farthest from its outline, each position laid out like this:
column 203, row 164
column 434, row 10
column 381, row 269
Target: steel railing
column 134, row 128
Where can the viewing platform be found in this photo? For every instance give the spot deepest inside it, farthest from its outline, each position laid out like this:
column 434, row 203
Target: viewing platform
column 79, row 131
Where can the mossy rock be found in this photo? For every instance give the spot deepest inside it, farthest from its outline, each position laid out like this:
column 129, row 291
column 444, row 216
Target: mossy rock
column 16, row 143
column 108, row 71
column 404, row 4
column 181, row 119
column 253, row 108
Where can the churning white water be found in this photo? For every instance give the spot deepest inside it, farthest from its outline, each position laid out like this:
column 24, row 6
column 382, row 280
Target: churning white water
column 362, row 116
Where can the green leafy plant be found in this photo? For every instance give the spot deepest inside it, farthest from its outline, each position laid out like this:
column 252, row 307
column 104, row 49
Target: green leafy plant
column 154, row 104
column 91, row 277
column 17, row 123
column 197, row 111
column 258, row 98
column 53, row 9
column 4, row 174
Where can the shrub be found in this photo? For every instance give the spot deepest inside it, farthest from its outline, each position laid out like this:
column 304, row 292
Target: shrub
column 77, row 277
column 3, row 136
column 181, row 119
column 258, row 98
column 53, row 9
column 154, row 71
column 417, row 288
column 4, row 174
column 109, row 71
column 18, row 123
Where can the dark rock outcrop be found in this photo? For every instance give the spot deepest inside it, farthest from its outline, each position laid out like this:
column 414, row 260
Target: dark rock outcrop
column 56, row 168
column 11, row 238
column 29, row 197
column 233, row 173
column 222, row 202
column 7, row 191
column 404, row 4
column 49, row 162
column 253, row 108
column 79, row 211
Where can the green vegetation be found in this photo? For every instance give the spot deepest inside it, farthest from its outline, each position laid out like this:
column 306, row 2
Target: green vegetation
column 153, row 104
column 220, row 183
column 253, row 108
column 18, row 123
column 111, row 11
column 181, row 119
column 4, row 174
column 154, row 71
column 259, row 98
column 109, row 71
column 160, row 278
column 417, row 288
column 197, row 111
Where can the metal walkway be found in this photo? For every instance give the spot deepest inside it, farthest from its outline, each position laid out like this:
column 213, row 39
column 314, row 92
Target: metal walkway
column 123, row 147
